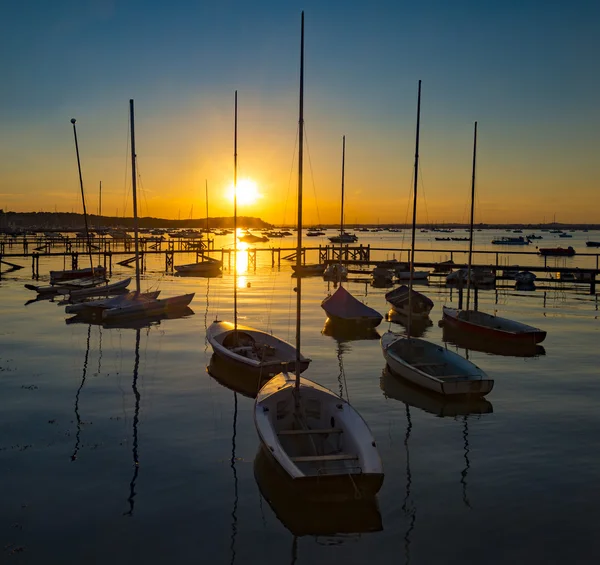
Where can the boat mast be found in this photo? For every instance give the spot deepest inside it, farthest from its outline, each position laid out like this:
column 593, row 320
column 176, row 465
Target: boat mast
column 414, row 219
column 342, row 212
column 206, row 191
column 299, row 242
column 472, row 217
column 100, row 205
column 134, row 190
column 235, row 216
column 87, row 231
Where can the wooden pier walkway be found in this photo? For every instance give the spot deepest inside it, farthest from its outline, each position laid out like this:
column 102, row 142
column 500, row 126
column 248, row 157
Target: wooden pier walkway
column 108, row 249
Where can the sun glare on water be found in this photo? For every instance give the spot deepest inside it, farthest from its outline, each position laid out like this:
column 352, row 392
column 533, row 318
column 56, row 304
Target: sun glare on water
column 247, row 192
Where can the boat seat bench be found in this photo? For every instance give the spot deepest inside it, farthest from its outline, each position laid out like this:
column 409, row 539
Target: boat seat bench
column 314, row 458
column 300, row 432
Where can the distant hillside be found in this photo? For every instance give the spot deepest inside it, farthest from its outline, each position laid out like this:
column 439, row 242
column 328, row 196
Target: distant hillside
column 70, row 221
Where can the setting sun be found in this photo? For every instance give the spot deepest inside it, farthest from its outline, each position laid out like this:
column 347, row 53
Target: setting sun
column 247, row 192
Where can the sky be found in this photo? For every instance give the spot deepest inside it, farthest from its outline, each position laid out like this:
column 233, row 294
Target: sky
column 526, row 71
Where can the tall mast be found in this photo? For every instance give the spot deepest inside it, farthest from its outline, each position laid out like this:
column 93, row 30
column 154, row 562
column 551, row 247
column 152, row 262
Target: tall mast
column 342, row 212
column 134, row 190
column 235, row 215
column 300, row 168
column 87, row 231
column 100, row 204
column 414, row 219
column 472, row 216
column 206, row 191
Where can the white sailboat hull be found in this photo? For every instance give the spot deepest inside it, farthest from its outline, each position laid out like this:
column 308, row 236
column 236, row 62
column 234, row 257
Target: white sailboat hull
column 100, row 290
column 95, row 306
column 433, row 367
column 320, row 440
column 253, row 350
column 147, row 308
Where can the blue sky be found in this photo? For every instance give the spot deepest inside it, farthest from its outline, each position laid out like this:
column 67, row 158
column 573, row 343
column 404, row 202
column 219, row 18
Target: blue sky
column 526, row 71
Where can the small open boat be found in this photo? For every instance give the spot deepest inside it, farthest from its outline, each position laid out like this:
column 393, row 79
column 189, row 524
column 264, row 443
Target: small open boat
column 100, row 290
column 421, row 305
column 146, row 308
column 441, row 406
column 94, row 307
column 477, row 342
column 491, row 326
column 316, row 437
column 67, row 286
column 57, row 277
column 342, row 308
column 433, row 367
column 253, row 349
column 207, row 267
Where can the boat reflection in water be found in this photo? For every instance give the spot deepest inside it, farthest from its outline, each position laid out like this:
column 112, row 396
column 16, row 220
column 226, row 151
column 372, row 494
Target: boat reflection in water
column 132, row 323
column 443, row 406
column 419, row 326
column 308, row 512
column 490, row 345
column 342, row 333
column 231, row 376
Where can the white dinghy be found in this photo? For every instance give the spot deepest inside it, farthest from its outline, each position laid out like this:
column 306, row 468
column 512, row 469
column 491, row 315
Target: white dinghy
column 316, row 438
column 253, row 349
column 434, row 367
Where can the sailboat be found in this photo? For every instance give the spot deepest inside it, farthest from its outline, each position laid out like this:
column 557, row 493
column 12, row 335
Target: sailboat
column 337, row 271
column 486, row 325
column 251, row 349
column 341, row 307
column 75, row 278
column 315, row 437
column 141, row 305
column 424, row 363
column 208, row 266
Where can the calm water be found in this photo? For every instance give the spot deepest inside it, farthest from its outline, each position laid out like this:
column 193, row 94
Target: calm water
column 113, row 456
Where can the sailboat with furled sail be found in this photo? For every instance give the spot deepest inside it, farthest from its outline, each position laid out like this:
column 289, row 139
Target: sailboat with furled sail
column 252, row 350
column 315, row 437
column 341, row 307
column 140, row 305
column 420, row 361
column 481, row 324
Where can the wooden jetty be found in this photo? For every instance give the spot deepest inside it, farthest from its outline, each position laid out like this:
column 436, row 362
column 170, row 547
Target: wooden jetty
column 358, row 256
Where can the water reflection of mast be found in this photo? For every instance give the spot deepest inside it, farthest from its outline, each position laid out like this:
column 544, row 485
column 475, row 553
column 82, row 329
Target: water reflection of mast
column 464, row 472
column 342, row 374
column 235, row 481
column 408, row 506
column 83, row 377
column 136, row 414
